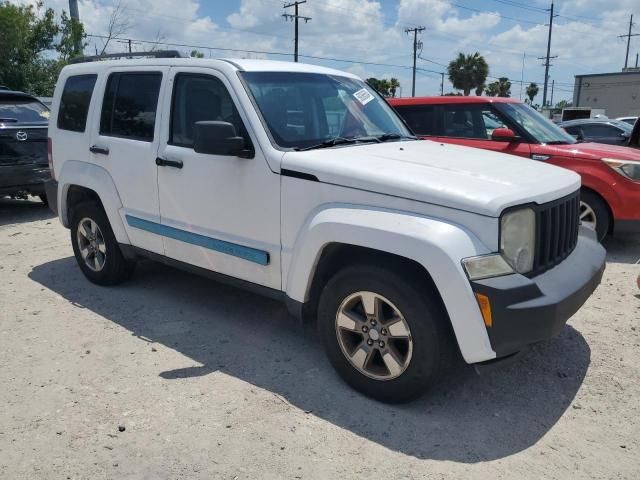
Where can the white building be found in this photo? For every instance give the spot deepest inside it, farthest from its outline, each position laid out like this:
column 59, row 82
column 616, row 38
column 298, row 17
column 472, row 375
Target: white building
column 618, row 93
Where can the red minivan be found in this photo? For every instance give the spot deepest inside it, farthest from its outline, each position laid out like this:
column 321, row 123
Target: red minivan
column 610, row 196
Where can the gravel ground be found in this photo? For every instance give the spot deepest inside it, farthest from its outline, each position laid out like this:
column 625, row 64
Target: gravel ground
column 175, row 376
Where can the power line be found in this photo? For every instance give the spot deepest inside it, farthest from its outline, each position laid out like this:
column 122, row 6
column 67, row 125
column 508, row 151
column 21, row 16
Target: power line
column 295, row 17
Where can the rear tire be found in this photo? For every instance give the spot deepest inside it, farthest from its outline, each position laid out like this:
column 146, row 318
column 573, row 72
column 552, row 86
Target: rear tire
column 411, row 344
column 594, row 213
column 95, row 247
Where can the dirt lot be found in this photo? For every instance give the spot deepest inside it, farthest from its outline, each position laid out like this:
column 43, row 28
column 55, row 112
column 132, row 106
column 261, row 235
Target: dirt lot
column 211, row 382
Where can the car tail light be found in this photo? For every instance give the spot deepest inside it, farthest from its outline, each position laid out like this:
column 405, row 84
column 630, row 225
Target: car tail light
column 50, row 157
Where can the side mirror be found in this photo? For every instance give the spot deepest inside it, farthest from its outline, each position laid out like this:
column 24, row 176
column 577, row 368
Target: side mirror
column 219, row 138
column 504, row 135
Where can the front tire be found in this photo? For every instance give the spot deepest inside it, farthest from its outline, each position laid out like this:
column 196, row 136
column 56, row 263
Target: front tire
column 95, row 247
column 385, row 334
column 594, row 213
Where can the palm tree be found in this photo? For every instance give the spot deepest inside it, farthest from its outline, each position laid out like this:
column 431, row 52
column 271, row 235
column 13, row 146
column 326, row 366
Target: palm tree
column 532, row 91
column 504, row 87
column 492, row 90
column 468, row 72
column 394, row 84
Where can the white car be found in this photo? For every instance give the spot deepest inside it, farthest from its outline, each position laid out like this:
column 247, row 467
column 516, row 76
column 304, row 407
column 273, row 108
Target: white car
column 300, row 182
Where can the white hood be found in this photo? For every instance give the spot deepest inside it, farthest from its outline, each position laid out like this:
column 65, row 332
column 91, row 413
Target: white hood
column 469, row 179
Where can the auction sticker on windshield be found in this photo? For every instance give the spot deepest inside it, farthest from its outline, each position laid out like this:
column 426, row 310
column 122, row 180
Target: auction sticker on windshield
column 363, row 96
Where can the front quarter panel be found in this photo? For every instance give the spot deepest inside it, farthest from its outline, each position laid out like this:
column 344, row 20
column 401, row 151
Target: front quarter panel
column 437, row 245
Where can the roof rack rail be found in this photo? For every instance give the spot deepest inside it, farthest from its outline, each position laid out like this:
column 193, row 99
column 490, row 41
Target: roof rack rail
column 111, row 56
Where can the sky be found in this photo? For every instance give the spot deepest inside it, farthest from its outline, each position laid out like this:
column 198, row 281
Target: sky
column 370, row 34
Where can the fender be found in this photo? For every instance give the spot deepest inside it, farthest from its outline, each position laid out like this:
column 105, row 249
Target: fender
column 437, row 245
column 96, row 178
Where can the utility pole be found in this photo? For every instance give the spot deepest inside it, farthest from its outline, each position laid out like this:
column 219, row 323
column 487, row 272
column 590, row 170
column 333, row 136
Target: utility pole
column 75, row 16
column 553, row 82
column 128, row 42
column 415, row 54
column 628, row 35
column 637, row 60
column 442, row 85
column 295, row 17
column 524, row 54
column 547, row 64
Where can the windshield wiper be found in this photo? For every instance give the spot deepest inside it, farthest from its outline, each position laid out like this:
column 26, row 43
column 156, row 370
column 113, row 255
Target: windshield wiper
column 332, row 142
column 559, row 142
column 395, row 136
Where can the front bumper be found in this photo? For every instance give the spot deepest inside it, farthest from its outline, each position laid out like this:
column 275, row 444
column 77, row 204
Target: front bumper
column 627, row 226
column 529, row 310
column 51, row 190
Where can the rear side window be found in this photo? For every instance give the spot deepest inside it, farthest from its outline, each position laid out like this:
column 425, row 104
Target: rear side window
column 74, row 104
column 600, row 130
column 420, row 118
column 129, row 105
column 464, row 121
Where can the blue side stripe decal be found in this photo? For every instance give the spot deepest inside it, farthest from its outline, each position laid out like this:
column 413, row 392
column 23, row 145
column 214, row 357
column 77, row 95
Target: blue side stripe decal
column 251, row 254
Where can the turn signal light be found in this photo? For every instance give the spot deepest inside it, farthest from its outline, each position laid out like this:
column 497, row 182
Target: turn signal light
column 485, row 308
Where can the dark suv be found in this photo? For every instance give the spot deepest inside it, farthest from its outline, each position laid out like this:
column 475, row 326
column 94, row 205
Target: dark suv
column 23, row 145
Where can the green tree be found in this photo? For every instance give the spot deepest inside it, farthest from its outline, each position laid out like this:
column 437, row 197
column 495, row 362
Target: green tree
column 394, row 84
column 480, row 89
column 468, row 72
column 196, row 54
column 499, row 88
column 563, row 104
column 26, row 32
column 72, row 36
column 492, row 90
column 386, row 88
column 532, row 91
column 28, row 45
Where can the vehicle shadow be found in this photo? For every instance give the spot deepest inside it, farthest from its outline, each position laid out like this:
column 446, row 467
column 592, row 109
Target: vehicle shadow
column 623, row 248
column 22, row 211
column 467, row 418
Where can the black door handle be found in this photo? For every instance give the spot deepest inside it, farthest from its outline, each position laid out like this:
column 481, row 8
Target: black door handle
column 97, row 149
column 161, row 162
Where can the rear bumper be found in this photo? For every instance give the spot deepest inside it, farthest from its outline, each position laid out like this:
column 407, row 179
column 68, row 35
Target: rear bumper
column 529, row 310
column 23, row 178
column 51, row 189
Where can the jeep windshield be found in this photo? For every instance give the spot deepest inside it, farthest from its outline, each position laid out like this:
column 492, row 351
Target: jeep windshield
column 540, row 128
column 303, row 111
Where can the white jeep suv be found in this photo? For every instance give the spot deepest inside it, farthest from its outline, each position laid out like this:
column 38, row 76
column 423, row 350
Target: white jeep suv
column 300, row 182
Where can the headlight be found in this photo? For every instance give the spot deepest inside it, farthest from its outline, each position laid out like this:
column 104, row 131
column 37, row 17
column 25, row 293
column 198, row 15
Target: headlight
column 517, row 238
column 627, row 168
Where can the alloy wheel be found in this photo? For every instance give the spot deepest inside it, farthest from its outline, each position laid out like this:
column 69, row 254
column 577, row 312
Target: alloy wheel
column 374, row 335
column 91, row 244
column 587, row 215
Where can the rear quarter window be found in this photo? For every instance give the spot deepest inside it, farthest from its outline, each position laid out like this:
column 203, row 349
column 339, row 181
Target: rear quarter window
column 74, row 103
column 129, row 105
